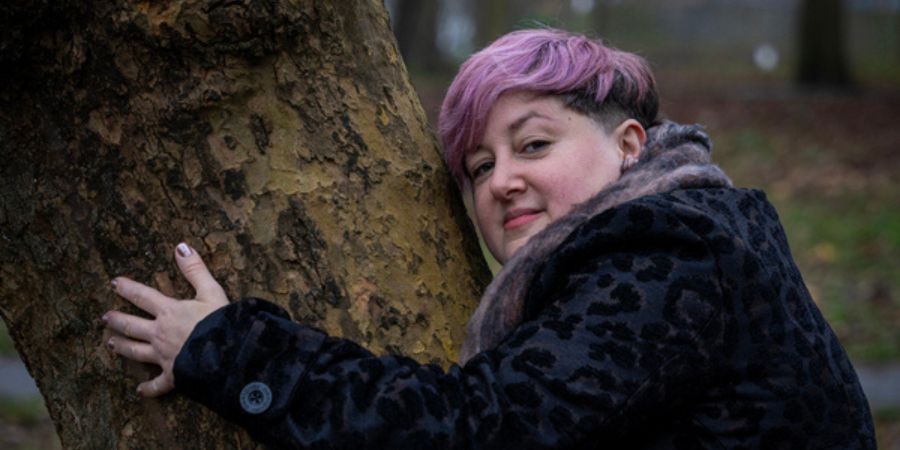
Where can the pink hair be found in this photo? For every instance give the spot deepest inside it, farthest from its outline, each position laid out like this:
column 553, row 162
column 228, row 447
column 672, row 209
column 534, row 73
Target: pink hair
column 582, row 71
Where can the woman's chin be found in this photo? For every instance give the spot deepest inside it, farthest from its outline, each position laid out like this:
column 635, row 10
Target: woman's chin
column 510, row 249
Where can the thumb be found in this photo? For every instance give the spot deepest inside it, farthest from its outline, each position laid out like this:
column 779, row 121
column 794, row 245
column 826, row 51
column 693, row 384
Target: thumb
column 194, row 270
column 160, row 385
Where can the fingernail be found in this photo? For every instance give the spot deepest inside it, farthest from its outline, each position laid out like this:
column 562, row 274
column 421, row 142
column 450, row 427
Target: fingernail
column 109, row 344
column 105, row 318
column 139, row 390
column 183, row 250
column 113, row 284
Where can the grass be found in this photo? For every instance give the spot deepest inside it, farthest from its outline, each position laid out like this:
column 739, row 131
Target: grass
column 26, row 412
column 845, row 252
column 26, row 425
column 843, row 224
column 887, row 427
column 6, row 344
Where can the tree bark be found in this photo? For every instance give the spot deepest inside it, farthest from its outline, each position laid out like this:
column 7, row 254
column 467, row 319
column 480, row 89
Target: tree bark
column 282, row 139
column 822, row 59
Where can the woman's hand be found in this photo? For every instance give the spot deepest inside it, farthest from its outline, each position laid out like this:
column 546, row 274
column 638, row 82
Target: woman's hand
column 158, row 341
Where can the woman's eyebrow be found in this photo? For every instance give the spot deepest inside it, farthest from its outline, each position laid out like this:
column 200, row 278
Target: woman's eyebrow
column 518, row 123
column 512, row 128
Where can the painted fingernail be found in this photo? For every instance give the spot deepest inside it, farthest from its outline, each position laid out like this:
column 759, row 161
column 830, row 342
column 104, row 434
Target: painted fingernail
column 109, row 344
column 183, row 250
column 113, row 284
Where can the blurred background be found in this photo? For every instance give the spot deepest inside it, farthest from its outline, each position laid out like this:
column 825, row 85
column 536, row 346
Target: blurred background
column 801, row 98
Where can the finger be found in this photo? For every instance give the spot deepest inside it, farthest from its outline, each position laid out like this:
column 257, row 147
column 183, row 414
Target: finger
column 133, row 350
column 195, row 271
column 158, row 386
column 128, row 325
column 143, row 296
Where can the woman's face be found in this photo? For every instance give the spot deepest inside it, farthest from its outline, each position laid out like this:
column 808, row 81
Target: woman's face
column 536, row 160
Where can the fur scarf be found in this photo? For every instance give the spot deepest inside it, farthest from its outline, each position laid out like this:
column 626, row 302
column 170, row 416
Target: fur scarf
column 674, row 157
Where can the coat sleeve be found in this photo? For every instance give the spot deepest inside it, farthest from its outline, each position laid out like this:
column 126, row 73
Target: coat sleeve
column 624, row 327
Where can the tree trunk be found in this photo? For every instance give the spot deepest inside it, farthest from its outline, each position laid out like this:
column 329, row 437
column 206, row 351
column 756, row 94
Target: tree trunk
column 281, row 139
column 822, row 60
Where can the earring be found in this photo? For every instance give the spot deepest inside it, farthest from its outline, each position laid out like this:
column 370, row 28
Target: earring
column 628, row 162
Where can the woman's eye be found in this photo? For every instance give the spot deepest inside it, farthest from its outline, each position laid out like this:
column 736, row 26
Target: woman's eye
column 481, row 169
column 534, row 146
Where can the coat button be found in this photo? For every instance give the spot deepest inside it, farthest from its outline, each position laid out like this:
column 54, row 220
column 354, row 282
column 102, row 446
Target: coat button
column 256, row 397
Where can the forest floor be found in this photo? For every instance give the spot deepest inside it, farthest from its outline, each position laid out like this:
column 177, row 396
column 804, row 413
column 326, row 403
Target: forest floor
column 828, row 162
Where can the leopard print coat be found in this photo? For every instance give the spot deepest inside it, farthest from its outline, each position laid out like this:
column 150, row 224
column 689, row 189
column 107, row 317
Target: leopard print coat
column 671, row 320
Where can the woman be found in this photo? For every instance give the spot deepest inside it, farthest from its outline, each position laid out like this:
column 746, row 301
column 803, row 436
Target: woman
column 643, row 301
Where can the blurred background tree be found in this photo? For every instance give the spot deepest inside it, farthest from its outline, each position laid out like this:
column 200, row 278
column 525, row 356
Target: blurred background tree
column 414, row 22
column 822, row 60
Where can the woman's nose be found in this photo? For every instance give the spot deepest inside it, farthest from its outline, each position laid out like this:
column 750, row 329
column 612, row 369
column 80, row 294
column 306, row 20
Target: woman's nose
column 506, row 180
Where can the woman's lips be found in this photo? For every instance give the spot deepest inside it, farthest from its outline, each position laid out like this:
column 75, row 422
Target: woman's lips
column 517, row 218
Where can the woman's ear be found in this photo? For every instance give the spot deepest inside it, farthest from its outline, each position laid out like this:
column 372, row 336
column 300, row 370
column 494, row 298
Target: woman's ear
column 630, row 137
